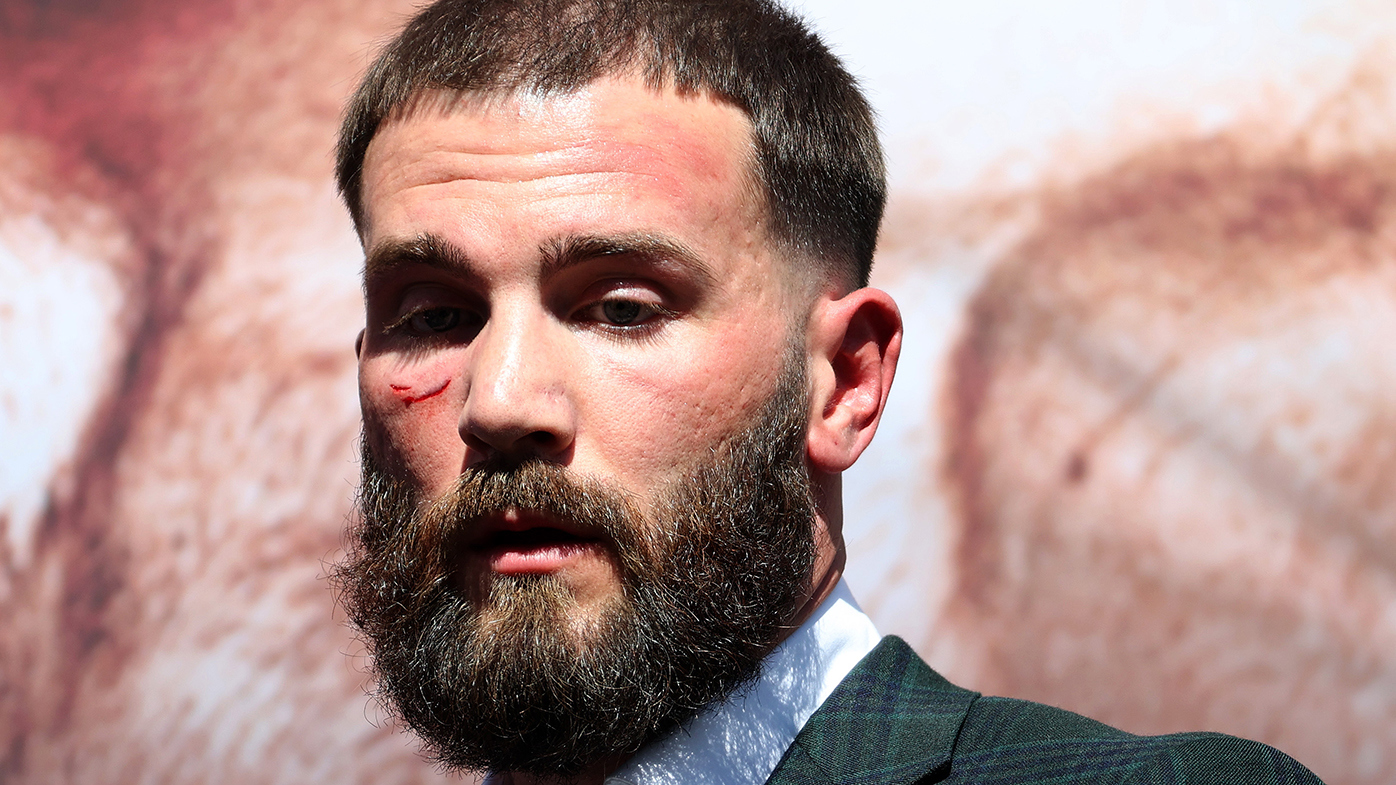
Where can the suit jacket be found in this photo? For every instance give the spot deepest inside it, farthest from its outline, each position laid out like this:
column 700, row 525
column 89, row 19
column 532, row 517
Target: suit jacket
column 893, row 720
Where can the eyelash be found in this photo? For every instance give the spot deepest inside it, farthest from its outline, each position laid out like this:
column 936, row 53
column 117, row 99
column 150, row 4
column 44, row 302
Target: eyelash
column 653, row 321
column 653, row 315
column 403, row 324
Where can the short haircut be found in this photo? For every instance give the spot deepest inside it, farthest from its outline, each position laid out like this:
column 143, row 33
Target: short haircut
column 817, row 156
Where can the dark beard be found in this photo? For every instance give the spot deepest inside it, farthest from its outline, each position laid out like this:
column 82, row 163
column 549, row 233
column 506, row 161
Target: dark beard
column 495, row 677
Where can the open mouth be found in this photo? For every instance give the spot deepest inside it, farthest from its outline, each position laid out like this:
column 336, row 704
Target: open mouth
column 532, row 549
column 537, row 537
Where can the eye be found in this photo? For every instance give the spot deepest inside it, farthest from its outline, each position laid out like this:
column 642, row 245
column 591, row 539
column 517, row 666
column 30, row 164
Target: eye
column 436, row 320
column 622, row 312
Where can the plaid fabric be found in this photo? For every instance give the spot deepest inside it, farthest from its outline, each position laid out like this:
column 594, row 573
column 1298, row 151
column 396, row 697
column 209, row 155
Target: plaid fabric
column 893, row 720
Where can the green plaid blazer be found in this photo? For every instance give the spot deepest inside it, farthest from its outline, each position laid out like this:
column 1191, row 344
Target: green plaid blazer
column 893, row 720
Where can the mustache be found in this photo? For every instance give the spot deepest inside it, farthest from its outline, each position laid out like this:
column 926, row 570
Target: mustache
column 581, row 505
column 537, row 486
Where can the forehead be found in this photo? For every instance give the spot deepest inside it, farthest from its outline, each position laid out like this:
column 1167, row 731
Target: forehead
column 615, row 136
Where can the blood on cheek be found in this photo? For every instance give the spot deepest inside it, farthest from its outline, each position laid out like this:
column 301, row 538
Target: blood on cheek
column 416, row 393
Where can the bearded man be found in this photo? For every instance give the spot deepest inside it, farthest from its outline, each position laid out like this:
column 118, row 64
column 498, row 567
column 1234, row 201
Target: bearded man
column 619, row 348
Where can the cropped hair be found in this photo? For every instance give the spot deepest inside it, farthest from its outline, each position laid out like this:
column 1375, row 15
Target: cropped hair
column 817, row 157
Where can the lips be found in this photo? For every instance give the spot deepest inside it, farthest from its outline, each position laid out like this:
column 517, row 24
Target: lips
column 517, row 542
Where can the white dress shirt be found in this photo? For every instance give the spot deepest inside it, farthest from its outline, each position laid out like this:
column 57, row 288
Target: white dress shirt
column 740, row 741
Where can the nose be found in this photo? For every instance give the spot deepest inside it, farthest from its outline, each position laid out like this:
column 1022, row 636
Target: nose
column 517, row 402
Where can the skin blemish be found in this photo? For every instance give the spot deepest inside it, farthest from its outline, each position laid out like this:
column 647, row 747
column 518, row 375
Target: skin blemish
column 406, row 394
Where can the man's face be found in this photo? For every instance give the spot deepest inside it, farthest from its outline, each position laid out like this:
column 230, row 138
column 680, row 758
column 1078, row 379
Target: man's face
column 586, row 511
column 583, row 279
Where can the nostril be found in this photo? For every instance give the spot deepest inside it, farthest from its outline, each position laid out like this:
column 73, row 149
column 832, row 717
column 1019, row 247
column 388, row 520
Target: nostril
column 543, row 438
column 489, row 445
column 475, row 444
column 514, row 425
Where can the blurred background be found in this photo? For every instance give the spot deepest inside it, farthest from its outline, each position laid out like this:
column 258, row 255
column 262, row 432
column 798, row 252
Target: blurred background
column 1140, row 455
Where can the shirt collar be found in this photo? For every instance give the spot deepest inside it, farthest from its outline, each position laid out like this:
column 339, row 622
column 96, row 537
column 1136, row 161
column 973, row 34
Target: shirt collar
column 740, row 740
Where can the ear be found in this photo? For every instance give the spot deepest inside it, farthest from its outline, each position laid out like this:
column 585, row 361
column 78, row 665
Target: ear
column 359, row 345
column 854, row 343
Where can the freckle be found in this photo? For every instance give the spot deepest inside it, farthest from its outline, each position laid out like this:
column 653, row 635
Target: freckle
column 405, row 392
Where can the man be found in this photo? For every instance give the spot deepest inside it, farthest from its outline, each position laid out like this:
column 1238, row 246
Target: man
column 619, row 348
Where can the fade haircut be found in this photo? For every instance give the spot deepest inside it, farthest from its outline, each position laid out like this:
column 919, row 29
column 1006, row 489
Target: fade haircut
column 817, row 157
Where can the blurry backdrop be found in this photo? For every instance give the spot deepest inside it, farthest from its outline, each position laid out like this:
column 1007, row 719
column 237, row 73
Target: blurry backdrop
column 1142, row 444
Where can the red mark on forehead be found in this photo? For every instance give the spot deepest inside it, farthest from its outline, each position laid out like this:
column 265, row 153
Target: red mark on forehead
column 409, row 396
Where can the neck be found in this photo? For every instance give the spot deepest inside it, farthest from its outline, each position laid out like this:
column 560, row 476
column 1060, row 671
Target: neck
column 829, row 556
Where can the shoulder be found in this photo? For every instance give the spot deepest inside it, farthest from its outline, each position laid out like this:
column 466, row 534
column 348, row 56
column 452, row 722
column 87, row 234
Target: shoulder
column 895, row 720
column 1007, row 740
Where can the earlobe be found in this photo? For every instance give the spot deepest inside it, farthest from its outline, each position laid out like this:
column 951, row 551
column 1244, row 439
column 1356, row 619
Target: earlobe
column 854, row 343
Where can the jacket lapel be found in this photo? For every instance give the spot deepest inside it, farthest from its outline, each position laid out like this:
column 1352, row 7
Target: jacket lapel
column 892, row 720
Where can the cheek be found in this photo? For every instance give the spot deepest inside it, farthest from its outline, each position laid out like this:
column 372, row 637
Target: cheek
column 664, row 414
column 411, row 394
column 411, row 409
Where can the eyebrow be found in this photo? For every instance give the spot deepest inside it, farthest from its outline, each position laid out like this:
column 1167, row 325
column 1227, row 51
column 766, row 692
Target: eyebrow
column 432, row 251
column 576, row 249
column 427, row 249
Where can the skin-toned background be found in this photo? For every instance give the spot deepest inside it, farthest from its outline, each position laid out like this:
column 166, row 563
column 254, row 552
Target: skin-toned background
column 1136, row 459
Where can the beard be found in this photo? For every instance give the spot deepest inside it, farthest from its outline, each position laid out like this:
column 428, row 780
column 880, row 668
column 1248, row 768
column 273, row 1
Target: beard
column 499, row 676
